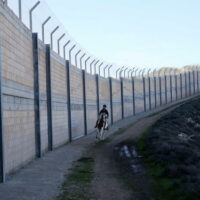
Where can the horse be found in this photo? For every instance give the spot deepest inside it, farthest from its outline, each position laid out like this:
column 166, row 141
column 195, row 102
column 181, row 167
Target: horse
column 101, row 126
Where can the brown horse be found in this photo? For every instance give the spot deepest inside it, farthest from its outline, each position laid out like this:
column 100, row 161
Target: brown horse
column 101, row 127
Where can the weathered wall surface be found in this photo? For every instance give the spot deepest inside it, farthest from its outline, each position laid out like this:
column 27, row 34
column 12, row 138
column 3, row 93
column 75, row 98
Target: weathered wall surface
column 139, row 96
column 76, row 102
column 19, row 109
column 59, row 101
column 128, row 98
column 152, row 93
column 104, row 93
column 17, row 80
column 163, row 89
column 91, row 101
column 116, row 95
column 146, row 82
column 43, row 98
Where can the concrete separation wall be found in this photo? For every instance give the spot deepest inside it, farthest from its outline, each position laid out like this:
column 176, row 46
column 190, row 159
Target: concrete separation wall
column 37, row 115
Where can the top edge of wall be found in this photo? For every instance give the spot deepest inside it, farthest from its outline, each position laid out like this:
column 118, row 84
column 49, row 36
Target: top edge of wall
column 115, row 80
column 14, row 20
column 90, row 75
column 103, row 78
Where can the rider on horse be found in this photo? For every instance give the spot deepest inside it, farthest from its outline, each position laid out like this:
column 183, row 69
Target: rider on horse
column 103, row 111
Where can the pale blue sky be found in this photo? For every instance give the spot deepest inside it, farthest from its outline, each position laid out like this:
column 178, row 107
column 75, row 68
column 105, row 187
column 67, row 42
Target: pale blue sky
column 151, row 33
column 143, row 33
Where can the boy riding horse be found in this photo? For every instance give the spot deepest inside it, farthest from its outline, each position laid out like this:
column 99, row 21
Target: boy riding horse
column 103, row 111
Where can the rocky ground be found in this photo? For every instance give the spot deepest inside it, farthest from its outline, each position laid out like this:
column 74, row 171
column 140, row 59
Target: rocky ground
column 171, row 151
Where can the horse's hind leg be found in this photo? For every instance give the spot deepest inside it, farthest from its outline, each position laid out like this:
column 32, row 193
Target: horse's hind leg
column 102, row 134
column 97, row 134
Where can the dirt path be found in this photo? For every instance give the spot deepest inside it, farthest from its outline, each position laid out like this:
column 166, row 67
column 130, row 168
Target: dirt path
column 107, row 184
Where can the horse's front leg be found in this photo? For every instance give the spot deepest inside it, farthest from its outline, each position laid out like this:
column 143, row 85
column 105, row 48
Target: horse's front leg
column 102, row 133
column 98, row 134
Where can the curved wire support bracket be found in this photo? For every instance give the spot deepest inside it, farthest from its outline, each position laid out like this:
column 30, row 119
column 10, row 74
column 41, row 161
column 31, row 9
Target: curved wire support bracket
column 30, row 15
column 109, row 70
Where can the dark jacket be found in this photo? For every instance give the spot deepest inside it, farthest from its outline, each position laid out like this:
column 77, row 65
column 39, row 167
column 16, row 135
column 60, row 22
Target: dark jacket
column 104, row 111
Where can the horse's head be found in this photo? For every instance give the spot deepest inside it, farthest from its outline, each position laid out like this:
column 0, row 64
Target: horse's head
column 103, row 117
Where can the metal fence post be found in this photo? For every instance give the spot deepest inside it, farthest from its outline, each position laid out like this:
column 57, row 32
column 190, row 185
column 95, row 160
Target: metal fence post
column 194, row 90
column 165, row 89
column 49, row 97
column 155, row 92
column 68, row 100
column 2, row 159
column 181, row 85
column 84, row 102
column 185, row 84
column 122, row 97
column 171, row 88
column 189, row 84
column 197, row 80
column 160, row 90
column 176, row 87
column 111, row 101
column 97, row 90
column 149, row 93
column 20, row 9
column 133, row 93
column 36, row 95
column 144, row 94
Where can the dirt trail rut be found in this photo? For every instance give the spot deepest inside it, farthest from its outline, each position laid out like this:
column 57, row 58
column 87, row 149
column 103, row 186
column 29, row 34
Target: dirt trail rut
column 107, row 184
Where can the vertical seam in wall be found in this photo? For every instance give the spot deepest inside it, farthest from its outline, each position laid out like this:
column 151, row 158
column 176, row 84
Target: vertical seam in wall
column 189, row 84
column 160, row 90
column 122, row 97
column 133, row 93
column 2, row 159
column 165, row 89
column 176, row 87
column 155, row 92
column 111, row 101
column 171, row 88
column 97, row 93
column 149, row 93
column 144, row 94
column 185, row 84
column 181, row 86
column 194, row 82
column 197, row 81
